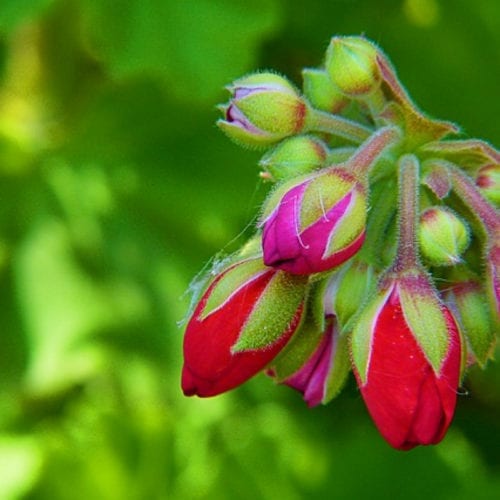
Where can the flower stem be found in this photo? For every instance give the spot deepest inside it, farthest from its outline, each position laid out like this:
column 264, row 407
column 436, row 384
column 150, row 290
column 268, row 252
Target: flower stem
column 407, row 257
column 376, row 102
column 369, row 152
column 321, row 121
column 484, row 211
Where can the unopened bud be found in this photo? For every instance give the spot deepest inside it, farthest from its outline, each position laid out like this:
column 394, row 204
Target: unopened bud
column 488, row 181
column 294, row 156
column 466, row 299
column 352, row 65
column 443, row 236
column 321, row 92
column 264, row 109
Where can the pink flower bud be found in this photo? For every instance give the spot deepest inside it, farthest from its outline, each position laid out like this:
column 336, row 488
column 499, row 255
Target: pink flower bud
column 409, row 390
column 315, row 224
column 243, row 320
column 265, row 108
column 322, row 376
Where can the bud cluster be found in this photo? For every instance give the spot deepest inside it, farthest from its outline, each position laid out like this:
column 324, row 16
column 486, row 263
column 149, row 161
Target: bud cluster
column 377, row 250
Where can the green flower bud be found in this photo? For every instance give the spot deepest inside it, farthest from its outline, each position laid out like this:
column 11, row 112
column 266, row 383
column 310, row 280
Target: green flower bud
column 321, row 92
column 352, row 287
column 294, row 156
column 466, row 300
column 264, row 109
column 443, row 236
column 488, row 181
column 352, row 65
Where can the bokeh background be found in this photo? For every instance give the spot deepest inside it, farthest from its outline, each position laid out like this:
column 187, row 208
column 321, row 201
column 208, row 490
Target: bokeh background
column 116, row 189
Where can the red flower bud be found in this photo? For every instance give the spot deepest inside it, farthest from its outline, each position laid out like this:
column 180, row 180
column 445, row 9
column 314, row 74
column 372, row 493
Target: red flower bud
column 243, row 320
column 411, row 402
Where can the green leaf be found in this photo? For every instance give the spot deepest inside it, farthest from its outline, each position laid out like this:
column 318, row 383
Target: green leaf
column 194, row 47
column 14, row 12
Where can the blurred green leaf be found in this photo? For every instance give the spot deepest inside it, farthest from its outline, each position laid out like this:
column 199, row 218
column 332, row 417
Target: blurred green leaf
column 13, row 12
column 174, row 40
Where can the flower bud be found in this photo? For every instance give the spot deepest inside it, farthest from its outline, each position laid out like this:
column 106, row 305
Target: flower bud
column 466, row 300
column 315, row 223
column 243, row 320
column 264, row 109
column 493, row 279
column 352, row 65
column 294, row 156
column 320, row 91
column 488, row 181
column 443, row 236
column 315, row 363
column 406, row 353
column 346, row 290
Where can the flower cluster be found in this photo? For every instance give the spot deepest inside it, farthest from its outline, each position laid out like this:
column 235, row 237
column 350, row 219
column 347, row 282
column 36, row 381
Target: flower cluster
column 377, row 251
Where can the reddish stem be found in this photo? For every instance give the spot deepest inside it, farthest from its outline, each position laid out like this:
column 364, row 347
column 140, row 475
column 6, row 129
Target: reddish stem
column 407, row 257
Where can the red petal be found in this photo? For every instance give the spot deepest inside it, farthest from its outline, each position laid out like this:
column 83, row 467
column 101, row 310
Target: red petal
column 209, row 366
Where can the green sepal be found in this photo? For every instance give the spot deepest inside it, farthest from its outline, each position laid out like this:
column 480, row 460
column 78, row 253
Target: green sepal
column 355, row 285
column 273, row 313
column 443, row 236
column 363, row 330
column 281, row 189
column 257, row 139
column 468, row 153
column 234, row 278
column 341, row 366
column 320, row 91
column 286, row 108
column 474, row 318
column 322, row 193
column 351, row 63
column 423, row 313
column 351, row 225
column 297, row 155
column 298, row 351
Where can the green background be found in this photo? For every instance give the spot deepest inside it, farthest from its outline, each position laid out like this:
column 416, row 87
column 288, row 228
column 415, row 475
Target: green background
column 116, row 188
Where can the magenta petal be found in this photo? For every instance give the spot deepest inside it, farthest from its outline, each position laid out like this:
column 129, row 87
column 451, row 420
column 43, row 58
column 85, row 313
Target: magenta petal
column 280, row 239
column 304, row 252
column 310, row 380
column 316, row 388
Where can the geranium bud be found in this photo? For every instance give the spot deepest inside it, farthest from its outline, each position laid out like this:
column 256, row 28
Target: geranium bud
column 320, row 91
column 315, row 363
column 245, row 317
column 294, row 156
column 264, row 108
column 493, row 279
column 346, row 290
column 406, row 353
column 488, row 181
column 352, row 65
column 314, row 223
column 466, row 300
column 443, row 236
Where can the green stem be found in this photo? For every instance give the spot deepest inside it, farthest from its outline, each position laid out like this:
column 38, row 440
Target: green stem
column 376, row 102
column 321, row 121
column 407, row 256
